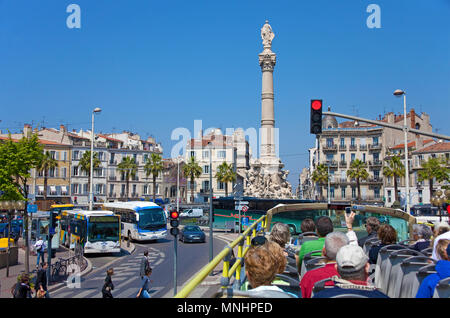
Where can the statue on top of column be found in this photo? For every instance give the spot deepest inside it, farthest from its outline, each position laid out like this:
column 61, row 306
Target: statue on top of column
column 267, row 35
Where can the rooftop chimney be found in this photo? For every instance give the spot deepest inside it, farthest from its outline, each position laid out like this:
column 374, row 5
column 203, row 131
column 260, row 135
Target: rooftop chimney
column 27, row 130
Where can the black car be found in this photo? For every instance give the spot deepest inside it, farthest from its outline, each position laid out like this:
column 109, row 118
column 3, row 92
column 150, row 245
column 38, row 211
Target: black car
column 192, row 233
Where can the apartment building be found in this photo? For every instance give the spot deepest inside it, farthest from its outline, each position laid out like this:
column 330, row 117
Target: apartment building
column 218, row 148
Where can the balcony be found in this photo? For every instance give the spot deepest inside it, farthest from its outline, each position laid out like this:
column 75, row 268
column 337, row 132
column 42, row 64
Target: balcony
column 373, row 180
column 332, row 164
column 375, row 164
column 342, row 147
column 353, row 147
column 342, row 164
column 373, row 147
column 329, row 148
column 111, row 195
column 112, row 178
column 113, row 162
column 362, row 147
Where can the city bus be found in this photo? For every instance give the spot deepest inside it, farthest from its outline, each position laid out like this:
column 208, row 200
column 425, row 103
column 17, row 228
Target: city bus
column 225, row 213
column 428, row 214
column 141, row 220
column 96, row 231
column 61, row 232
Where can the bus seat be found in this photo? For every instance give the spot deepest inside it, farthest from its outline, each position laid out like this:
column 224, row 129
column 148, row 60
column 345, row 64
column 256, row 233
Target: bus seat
column 288, row 284
column 369, row 243
column 383, row 266
column 232, row 293
column 307, row 236
column 428, row 251
column 410, row 267
column 442, row 289
column 349, row 296
column 308, row 257
column 420, row 276
column 396, row 274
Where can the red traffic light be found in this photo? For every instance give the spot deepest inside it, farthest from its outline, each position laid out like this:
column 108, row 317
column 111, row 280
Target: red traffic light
column 316, row 104
column 174, row 214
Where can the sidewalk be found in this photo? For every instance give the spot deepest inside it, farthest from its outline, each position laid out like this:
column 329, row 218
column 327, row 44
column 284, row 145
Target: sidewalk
column 7, row 282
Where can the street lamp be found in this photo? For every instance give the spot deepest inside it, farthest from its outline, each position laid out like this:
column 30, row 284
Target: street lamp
column 91, row 193
column 438, row 200
column 398, row 93
column 210, row 204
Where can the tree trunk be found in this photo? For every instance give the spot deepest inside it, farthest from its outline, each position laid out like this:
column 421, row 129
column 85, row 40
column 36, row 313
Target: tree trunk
column 226, row 189
column 45, row 184
column 154, row 189
column 192, row 190
column 395, row 188
column 430, row 182
column 127, row 187
column 359, row 190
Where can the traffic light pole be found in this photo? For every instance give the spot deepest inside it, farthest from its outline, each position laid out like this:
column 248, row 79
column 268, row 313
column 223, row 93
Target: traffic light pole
column 175, row 264
column 49, row 248
column 380, row 123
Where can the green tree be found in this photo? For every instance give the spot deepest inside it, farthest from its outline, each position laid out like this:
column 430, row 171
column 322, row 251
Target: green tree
column 358, row 172
column 320, row 177
column 17, row 159
column 192, row 170
column 394, row 169
column 154, row 166
column 45, row 165
column 128, row 170
column 433, row 168
column 225, row 173
column 85, row 164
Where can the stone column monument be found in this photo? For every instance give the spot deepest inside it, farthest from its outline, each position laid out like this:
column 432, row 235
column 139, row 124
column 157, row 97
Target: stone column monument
column 265, row 177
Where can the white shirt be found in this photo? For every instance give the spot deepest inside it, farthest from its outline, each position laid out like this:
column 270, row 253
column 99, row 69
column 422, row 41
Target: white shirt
column 435, row 255
column 353, row 239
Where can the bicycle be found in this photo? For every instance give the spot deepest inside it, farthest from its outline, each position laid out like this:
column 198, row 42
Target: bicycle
column 59, row 268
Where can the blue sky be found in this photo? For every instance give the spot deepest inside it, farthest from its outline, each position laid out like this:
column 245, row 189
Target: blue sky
column 153, row 66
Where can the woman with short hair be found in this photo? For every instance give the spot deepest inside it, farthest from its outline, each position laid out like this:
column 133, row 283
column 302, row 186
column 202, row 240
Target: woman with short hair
column 388, row 236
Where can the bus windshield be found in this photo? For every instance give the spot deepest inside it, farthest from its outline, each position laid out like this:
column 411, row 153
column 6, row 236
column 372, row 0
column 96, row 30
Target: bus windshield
column 103, row 230
column 150, row 219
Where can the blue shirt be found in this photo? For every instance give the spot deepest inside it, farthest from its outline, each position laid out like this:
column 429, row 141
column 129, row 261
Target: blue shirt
column 426, row 289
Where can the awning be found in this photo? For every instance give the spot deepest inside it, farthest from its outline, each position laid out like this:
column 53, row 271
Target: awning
column 52, row 189
column 63, row 189
column 41, row 188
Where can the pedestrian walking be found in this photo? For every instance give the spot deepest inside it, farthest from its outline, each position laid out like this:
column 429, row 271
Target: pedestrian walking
column 40, row 250
column 108, row 286
column 41, row 282
column 145, row 264
column 23, row 289
column 145, row 285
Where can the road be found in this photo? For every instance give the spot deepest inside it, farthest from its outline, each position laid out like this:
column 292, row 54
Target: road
column 191, row 258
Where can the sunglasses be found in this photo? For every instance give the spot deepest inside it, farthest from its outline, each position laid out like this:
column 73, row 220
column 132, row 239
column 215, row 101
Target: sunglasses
column 258, row 240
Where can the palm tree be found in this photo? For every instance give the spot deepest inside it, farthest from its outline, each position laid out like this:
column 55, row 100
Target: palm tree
column 433, row 168
column 394, row 169
column 225, row 174
column 358, row 171
column 192, row 170
column 85, row 164
column 46, row 163
column 320, row 176
column 154, row 166
column 128, row 169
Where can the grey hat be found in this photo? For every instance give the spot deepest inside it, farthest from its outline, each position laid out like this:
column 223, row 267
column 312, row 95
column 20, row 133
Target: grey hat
column 351, row 258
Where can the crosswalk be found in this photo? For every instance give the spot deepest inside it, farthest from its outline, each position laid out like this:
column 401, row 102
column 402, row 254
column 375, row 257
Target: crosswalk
column 126, row 279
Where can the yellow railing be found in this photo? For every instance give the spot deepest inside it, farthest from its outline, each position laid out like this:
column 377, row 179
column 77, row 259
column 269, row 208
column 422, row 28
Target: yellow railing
column 225, row 256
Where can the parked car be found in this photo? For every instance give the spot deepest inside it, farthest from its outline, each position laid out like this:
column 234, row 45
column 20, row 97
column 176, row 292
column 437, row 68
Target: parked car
column 192, row 233
column 192, row 213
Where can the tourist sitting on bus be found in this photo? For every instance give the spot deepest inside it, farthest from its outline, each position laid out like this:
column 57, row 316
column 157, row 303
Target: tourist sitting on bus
column 280, row 234
column 387, row 235
column 308, row 226
column 262, row 263
column 353, row 268
column 428, row 285
column 324, row 225
column 372, row 225
column 422, row 236
column 333, row 242
column 441, row 232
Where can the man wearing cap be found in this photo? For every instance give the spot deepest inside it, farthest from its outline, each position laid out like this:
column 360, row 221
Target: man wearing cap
column 353, row 268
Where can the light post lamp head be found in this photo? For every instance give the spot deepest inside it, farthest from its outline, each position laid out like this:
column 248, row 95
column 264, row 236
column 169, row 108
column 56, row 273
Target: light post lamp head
column 97, row 110
column 399, row 92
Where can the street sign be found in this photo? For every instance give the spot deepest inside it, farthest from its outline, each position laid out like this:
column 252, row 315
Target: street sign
column 244, row 208
column 32, row 208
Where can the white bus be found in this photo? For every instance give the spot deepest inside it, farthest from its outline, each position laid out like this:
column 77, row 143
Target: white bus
column 97, row 231
column 141, row 220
